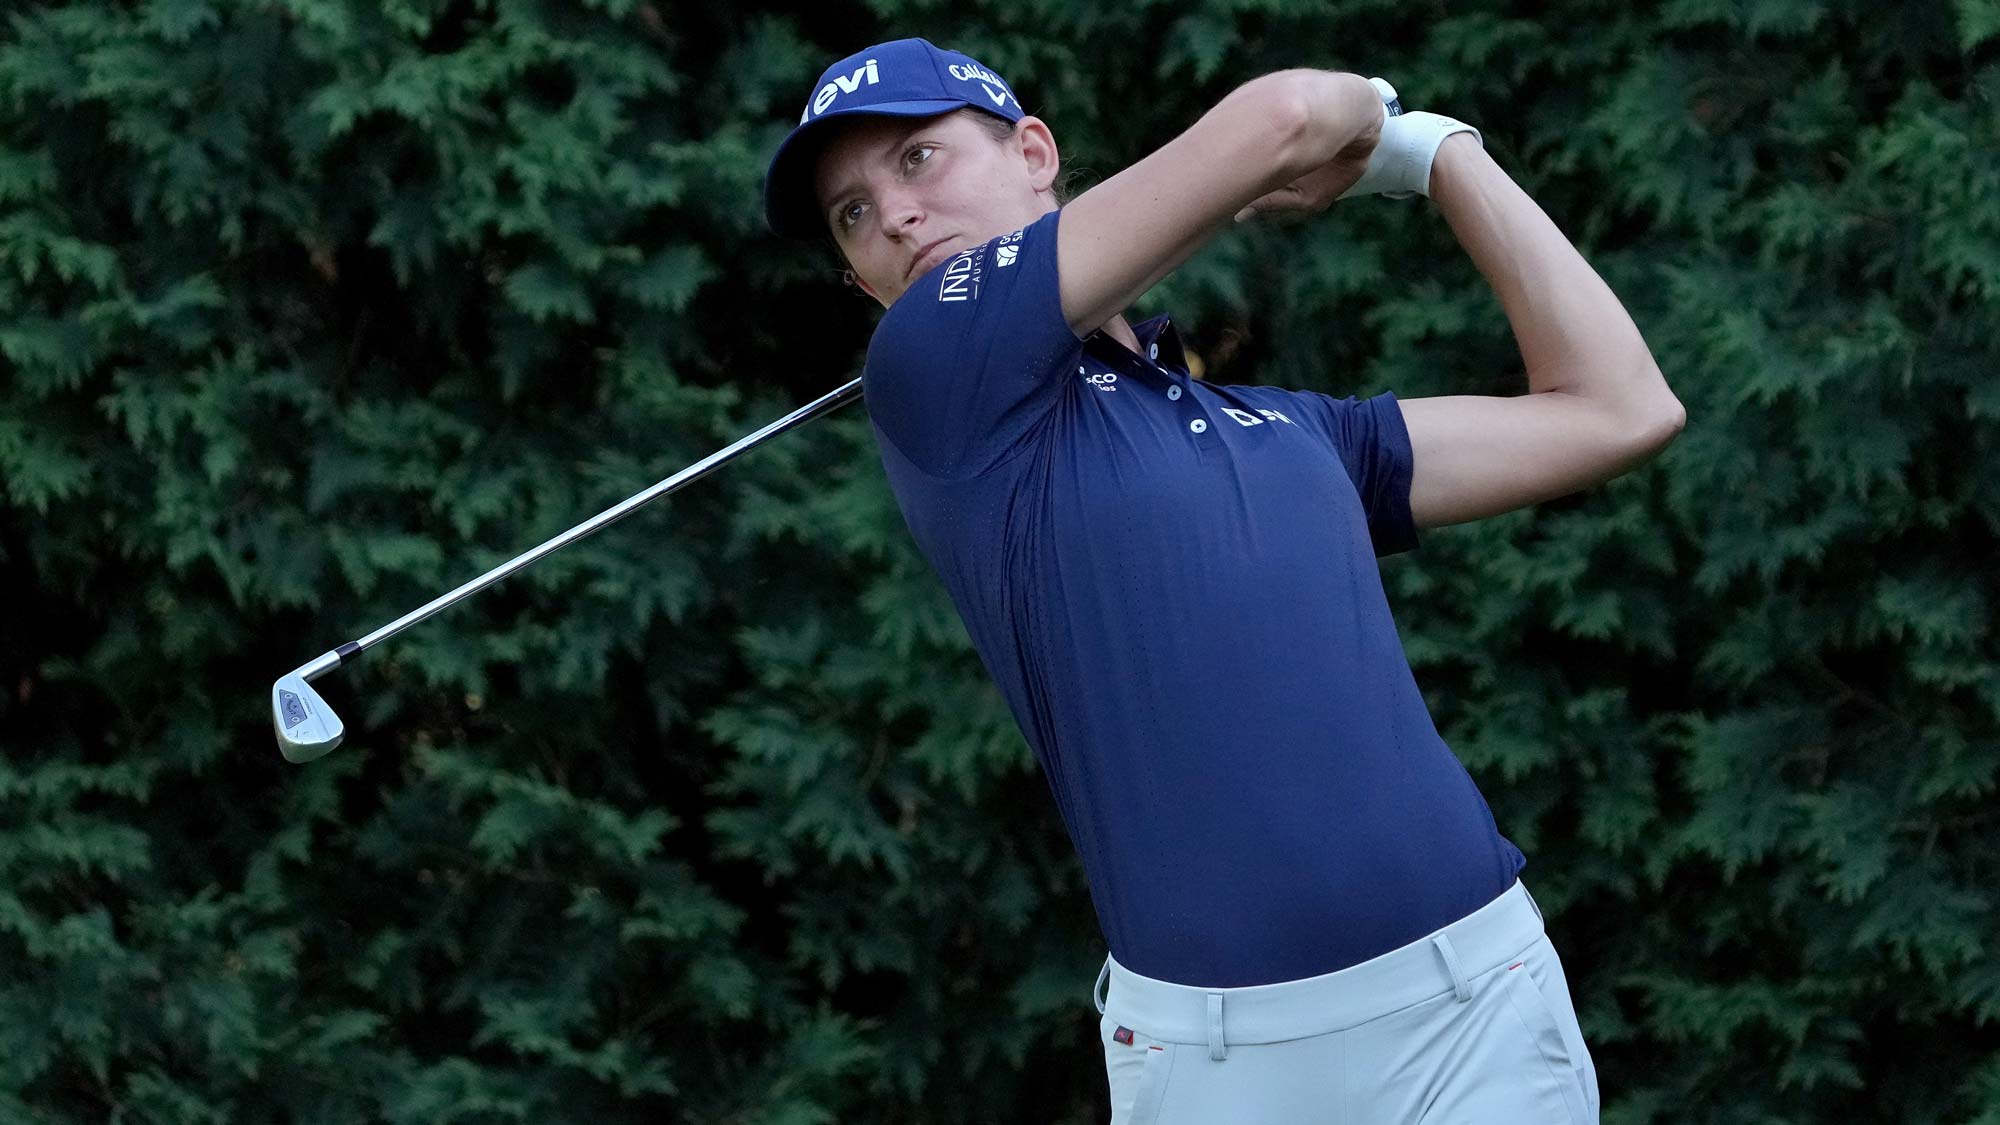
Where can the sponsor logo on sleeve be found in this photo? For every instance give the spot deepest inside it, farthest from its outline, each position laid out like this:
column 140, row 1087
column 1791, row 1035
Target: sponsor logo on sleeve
column 962, row 274
column 1007, row 247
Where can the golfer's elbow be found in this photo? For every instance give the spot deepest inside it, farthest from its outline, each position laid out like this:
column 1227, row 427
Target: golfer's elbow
column 1323, row 112
column 1658, row 427
column 1641, row 405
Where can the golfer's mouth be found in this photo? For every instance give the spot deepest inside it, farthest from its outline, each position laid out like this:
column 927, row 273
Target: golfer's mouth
column 919, row 260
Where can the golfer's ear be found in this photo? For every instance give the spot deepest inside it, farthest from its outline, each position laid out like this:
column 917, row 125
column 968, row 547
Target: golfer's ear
column 1038, row 149
column 844, row 270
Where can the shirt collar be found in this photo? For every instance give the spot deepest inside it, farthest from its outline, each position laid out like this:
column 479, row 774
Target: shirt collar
column 1157, row 330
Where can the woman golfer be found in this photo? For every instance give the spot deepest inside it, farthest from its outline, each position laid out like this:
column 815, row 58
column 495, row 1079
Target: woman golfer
column 1311, row 914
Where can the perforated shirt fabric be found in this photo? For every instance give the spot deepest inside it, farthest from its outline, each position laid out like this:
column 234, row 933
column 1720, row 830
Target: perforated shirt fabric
column 1174, row 586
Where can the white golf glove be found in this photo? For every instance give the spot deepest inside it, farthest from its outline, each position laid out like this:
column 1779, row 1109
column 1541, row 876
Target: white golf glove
column 1400, row 166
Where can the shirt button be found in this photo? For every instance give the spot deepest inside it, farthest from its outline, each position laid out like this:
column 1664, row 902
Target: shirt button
column 1197, row 425
column 1173, row 392
column 1153, row 352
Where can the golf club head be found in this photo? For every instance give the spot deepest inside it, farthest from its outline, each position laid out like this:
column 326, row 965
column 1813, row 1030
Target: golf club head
column 307, row 727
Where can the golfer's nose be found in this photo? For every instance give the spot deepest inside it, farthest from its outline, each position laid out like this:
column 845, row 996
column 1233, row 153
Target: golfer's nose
column 900, row 213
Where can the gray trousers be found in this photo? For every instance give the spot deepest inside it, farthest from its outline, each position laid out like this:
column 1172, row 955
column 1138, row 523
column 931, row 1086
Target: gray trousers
column 1471, row 1025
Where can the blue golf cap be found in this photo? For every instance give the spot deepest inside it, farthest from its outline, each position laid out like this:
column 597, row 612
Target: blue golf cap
column 904, row 78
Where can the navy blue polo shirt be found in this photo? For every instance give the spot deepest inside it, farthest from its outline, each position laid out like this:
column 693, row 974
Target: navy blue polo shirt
column 1174, row 586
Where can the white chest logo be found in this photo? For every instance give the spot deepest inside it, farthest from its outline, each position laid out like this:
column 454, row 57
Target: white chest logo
column 1245, row 418
column 1103, row 380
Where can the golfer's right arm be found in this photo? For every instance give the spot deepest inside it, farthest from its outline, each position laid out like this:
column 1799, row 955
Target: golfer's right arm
column 1118, row 239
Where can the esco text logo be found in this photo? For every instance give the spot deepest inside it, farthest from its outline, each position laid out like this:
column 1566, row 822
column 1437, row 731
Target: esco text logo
column 1103, row 380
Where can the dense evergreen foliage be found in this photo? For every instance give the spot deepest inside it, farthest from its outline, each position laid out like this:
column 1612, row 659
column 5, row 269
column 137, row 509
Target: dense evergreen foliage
column 312, row 309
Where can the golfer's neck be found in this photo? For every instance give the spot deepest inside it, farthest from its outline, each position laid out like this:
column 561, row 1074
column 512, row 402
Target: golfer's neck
column 1117, row 329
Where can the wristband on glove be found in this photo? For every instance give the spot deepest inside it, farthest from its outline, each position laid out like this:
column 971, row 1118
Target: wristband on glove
column 1400, row 166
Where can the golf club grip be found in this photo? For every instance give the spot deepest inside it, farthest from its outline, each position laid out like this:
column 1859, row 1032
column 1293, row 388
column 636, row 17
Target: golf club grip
column 824, row 404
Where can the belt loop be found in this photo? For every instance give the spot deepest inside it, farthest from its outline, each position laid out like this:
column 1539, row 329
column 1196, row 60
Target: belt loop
column 1460, row 987
column 1096, row 990
column 1216, row 1047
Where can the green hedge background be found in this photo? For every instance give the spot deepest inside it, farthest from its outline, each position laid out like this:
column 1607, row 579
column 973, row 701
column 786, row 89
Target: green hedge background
column 311, row 310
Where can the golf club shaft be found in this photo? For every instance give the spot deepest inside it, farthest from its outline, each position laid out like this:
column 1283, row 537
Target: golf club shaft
column 696, row 471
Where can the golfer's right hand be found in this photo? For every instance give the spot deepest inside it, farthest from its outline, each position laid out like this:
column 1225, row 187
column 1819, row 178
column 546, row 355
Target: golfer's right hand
column 1316, row 190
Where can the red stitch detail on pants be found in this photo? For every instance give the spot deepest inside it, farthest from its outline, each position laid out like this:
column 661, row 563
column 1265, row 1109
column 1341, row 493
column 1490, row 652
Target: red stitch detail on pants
column 1159, row 1048
column 1515, row 965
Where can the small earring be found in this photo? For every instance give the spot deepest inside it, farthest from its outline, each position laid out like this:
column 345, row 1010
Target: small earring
column 847, row 278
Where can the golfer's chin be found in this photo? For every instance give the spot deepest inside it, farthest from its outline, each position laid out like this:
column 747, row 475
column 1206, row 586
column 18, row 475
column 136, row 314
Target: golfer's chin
column 929, row 261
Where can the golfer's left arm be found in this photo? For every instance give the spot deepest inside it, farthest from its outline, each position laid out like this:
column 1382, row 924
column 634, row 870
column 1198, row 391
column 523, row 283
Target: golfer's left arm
column 1597, row 405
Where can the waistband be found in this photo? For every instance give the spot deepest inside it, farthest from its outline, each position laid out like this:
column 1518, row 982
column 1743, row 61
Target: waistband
column 1441, row 962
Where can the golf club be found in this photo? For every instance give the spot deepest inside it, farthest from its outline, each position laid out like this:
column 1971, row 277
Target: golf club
column 307, row 728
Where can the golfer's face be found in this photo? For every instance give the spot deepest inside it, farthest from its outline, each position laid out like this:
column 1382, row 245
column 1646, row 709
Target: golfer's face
column 903, row 194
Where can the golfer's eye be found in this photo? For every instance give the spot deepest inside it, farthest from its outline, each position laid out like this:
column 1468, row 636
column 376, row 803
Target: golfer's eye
column 919, row 148
column 849, row 214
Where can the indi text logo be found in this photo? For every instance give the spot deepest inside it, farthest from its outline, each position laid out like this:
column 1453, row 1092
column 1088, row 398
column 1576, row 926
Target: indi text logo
column 961, row 276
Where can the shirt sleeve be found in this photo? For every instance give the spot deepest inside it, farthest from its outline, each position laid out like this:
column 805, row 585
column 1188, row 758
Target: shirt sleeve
column 965, row 364
column 1374, row 446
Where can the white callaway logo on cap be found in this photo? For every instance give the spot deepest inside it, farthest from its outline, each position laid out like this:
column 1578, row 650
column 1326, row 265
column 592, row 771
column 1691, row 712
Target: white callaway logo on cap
column 972, row 72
